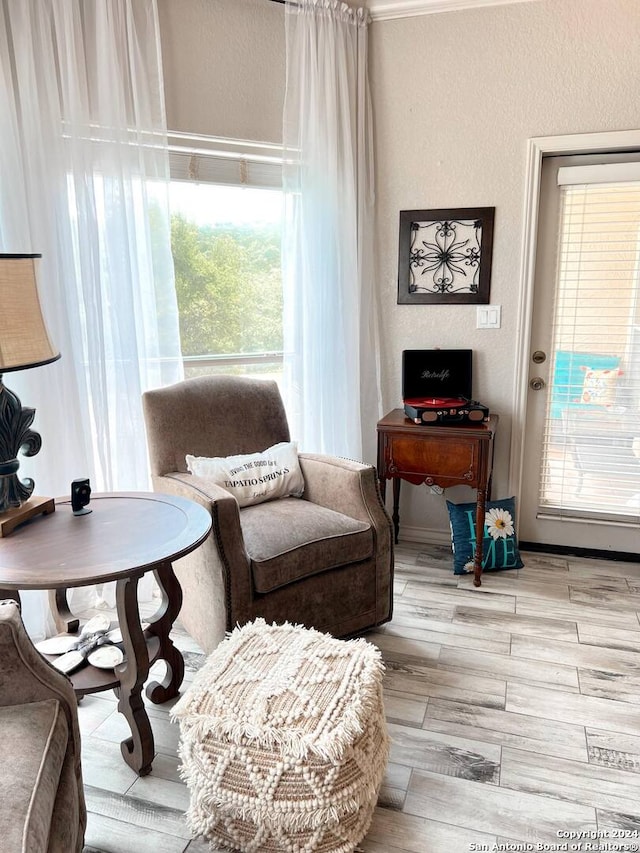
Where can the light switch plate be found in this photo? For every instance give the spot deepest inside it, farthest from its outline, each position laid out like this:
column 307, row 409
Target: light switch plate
column 488, row 316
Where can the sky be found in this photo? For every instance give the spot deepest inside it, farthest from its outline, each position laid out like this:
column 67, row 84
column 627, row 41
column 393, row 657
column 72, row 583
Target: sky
column 211, row 204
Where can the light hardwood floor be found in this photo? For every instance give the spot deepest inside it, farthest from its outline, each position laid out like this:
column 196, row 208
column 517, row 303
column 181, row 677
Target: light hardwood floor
column 513, row 709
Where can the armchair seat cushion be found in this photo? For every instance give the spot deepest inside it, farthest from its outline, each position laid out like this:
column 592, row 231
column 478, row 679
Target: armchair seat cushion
column 32, row 753
column 291, row 539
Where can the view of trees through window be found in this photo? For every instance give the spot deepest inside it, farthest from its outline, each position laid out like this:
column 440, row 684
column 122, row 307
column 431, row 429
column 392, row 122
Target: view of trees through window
column 226, row 250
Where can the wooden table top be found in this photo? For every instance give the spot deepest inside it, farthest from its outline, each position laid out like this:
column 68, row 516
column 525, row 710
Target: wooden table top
column 125, row 534
column 396, row 419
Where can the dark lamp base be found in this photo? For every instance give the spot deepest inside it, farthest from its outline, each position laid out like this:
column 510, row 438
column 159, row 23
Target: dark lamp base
column 16, row 436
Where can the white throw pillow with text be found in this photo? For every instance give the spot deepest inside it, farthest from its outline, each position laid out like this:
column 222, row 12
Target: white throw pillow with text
column 254, row 477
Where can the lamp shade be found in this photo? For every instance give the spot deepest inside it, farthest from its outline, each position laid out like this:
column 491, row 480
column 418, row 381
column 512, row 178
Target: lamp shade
column 24, row 340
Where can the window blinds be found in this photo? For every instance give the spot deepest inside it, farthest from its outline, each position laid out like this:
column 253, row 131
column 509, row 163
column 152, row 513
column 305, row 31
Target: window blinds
column 221, row 169
column 591, row 439
column 225, row 161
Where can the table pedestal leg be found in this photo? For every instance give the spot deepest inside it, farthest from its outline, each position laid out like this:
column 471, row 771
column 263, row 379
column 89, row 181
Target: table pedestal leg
column 138, row 750
column 477, row 557
column 62, row 615
column 10, row 593
column 160, row 624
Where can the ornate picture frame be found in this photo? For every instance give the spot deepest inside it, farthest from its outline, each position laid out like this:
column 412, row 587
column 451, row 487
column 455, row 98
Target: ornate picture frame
column 445, row 255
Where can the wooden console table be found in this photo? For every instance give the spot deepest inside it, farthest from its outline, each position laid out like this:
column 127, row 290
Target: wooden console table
column 444, row 456
column 125, row 536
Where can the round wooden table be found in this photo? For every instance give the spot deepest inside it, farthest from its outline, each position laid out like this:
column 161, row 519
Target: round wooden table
column 125, row 536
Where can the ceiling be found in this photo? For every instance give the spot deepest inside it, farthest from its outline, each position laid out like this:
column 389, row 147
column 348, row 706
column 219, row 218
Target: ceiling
column 388, row 9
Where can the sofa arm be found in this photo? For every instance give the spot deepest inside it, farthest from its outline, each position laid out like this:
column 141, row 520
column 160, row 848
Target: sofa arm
column 27, row 677
column 352, row 488
column 198, row 489
column 344, row 485
column 216, row 577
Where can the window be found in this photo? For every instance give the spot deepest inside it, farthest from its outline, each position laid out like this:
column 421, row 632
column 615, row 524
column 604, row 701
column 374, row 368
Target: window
column 591, row 442
column 226, row 210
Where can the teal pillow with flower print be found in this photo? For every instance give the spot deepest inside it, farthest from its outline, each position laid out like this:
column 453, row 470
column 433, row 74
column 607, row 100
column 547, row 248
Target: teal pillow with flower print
column 499, row 544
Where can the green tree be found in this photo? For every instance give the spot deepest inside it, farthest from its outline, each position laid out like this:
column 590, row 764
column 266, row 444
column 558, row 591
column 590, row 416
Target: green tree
column 229, row 287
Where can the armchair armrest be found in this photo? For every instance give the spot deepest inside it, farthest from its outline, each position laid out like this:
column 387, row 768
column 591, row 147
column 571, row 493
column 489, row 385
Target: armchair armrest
column 198, row 489
column 27, row 677
column 347, row 486
column 352, row 488
column 216, row 573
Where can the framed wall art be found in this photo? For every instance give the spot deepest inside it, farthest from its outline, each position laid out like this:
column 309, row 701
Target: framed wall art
column 445, row 255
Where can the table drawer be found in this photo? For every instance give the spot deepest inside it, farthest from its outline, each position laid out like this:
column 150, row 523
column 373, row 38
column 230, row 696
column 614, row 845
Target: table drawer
column 432, row 459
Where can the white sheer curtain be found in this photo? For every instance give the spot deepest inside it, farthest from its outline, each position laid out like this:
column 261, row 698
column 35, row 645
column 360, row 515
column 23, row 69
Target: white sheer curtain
column 84, row 181
column 331, row 346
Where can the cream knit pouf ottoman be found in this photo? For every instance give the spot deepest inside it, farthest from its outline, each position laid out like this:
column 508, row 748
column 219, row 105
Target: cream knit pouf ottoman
column 283, row 741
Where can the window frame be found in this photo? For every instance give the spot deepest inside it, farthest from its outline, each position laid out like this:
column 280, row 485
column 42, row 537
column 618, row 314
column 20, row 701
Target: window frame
column 226, row 162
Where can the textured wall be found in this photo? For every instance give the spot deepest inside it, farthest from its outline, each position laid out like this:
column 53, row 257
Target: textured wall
column 456, row 96
column 224, row 67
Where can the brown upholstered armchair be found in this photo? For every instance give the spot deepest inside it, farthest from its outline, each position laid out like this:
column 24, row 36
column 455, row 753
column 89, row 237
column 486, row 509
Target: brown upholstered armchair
column 324, row 560
column 42, row 806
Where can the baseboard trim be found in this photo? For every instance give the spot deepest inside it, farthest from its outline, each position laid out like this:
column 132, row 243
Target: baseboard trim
column 427, row 536
column 424, row 534
column 570, row 550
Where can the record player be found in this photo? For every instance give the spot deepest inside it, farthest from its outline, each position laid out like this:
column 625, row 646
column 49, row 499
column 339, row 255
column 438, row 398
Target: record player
column 436, row 387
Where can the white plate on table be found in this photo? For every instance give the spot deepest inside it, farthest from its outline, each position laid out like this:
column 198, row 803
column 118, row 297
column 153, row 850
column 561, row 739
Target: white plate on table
column 98, row 624
column 59, row 645
column 115, row 636
column 106, row 657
